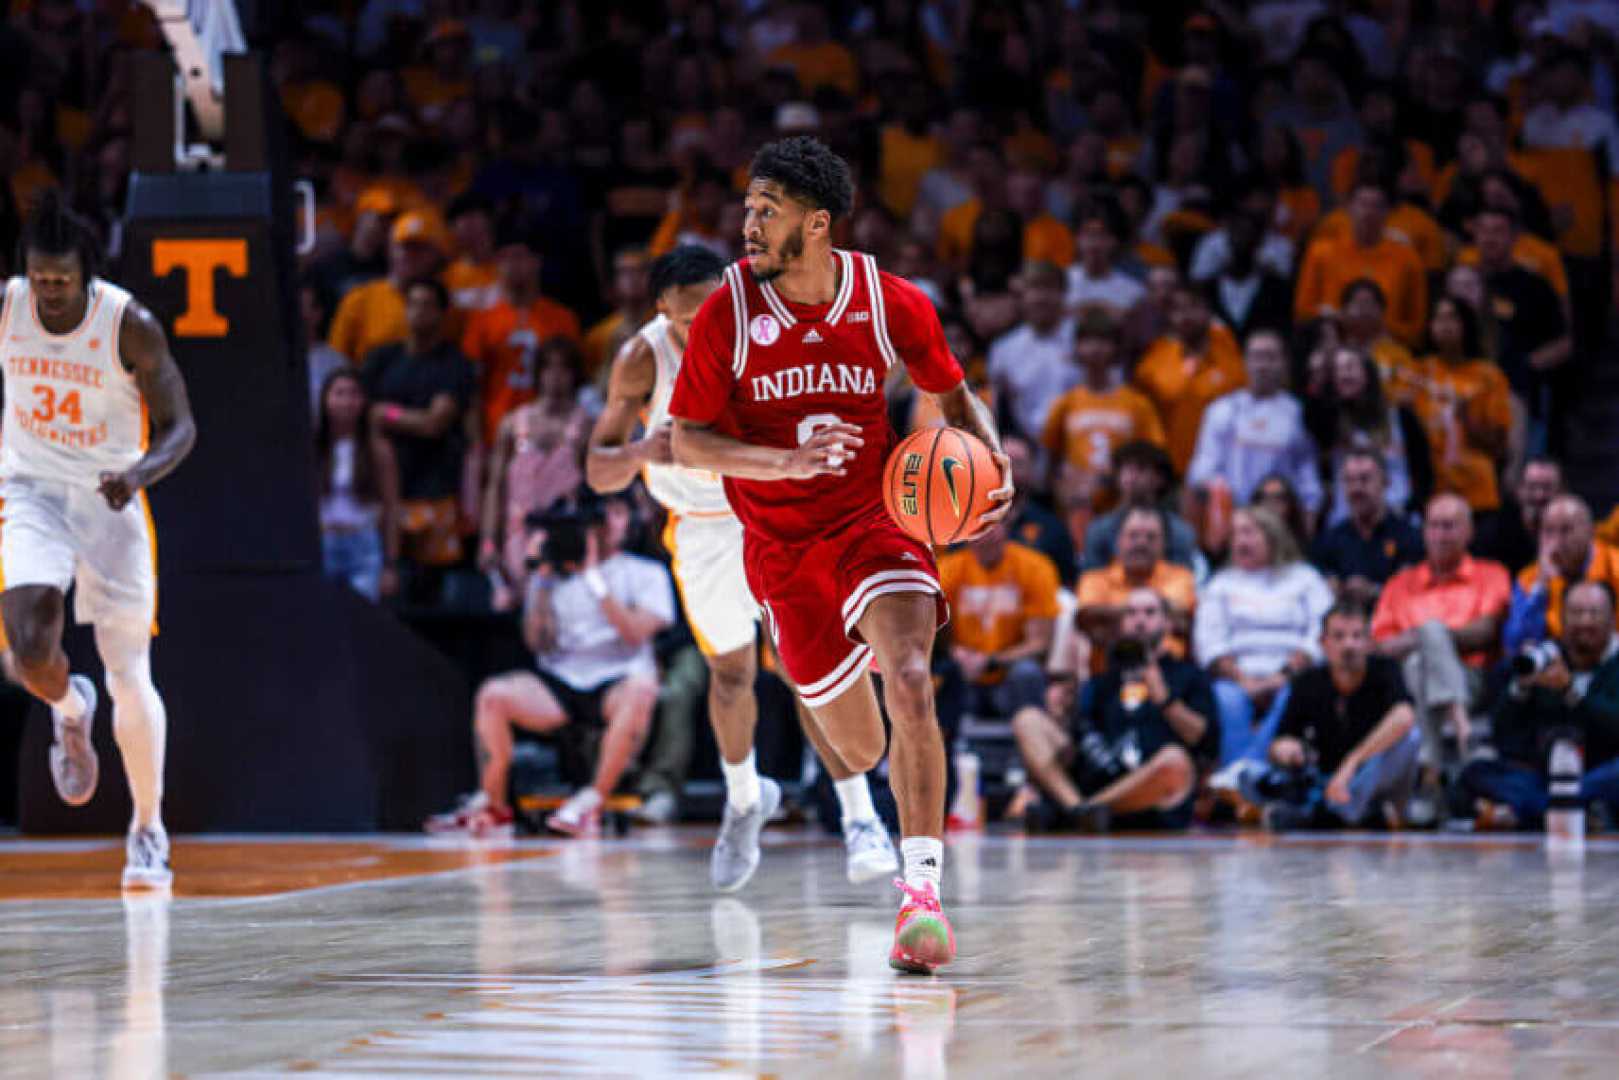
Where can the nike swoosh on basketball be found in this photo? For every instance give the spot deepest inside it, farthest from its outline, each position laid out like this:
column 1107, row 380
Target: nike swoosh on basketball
column 950, row 465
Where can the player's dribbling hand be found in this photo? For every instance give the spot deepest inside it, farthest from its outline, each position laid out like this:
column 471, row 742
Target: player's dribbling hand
column 824, row 453
column 1000, row 499
column 118, row 488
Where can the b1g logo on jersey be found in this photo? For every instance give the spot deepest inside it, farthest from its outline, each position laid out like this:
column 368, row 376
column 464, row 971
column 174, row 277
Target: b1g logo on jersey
column 764, row 329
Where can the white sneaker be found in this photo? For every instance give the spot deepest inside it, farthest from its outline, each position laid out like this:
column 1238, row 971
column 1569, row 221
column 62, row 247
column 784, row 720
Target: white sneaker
column 871, row 853
column 580, row 816
column 146, row 858
column 659, row 808
column 75, row 769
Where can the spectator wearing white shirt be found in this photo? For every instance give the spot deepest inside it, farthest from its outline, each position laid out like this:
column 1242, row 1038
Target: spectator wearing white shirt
column 1254, row 432
column 1032, row 365
column 1247, row 295
column 1095, row 279
column 1258, row 622
column 1275, row 251
column 1567, row 119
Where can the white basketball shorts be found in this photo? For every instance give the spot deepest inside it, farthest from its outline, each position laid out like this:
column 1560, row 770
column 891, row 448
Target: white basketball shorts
column 713, row 585
column 59, row 535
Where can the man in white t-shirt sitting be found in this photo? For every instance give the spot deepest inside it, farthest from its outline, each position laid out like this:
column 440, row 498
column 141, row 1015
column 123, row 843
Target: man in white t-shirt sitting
column 1032, row 364
column 1095, row 280
column 590, row 617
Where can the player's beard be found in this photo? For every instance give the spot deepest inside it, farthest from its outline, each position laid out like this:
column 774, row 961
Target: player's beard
column 791, row 248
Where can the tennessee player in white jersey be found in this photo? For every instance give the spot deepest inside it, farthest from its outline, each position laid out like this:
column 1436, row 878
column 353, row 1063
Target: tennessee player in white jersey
column 705, row 538
column 95, row 413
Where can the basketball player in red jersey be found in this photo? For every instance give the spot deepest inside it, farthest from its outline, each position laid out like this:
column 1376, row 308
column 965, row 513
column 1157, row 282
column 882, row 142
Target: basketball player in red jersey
column 780, row 391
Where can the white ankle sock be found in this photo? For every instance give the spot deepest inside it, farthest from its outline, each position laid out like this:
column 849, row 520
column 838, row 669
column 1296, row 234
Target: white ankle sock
column 924, row 861
column 741, row 783
column 854, row 796
column 71, row 705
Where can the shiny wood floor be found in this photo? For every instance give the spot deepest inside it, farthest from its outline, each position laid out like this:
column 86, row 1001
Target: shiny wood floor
column 1213, row 956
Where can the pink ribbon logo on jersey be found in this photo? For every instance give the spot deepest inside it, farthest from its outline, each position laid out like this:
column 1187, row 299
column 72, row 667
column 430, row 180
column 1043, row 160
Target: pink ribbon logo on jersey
column 764, row 329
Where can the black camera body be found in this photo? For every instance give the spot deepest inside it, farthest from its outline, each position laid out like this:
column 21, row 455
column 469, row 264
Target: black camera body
column 1533, row 659
column 566, row 526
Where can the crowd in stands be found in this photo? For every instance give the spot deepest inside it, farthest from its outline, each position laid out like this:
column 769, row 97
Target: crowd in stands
column 1283, row 308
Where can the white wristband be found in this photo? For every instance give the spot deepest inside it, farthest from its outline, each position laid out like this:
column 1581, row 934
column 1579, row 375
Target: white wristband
column 596, row 583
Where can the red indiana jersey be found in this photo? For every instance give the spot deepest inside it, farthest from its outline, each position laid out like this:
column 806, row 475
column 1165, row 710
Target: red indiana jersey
column 770, row 372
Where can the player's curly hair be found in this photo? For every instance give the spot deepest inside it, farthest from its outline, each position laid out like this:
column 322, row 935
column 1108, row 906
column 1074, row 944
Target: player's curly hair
column 808, row 171
column 53, row 229
column 688, row 264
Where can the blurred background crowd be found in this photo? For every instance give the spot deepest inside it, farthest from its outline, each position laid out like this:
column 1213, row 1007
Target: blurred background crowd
column 1297, row 316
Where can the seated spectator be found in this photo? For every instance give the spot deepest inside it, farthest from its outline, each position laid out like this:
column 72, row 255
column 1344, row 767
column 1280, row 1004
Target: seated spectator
column 1095, row 280
column 536, row 459
column 589, row 617
column 1142, row 476
column 1276, row 494
column 1250, row 433
column 1367, row 251
column 1258, row 622
column 421, row 393
column 1442, row 619
column 1088, row 423
column 1140, row 564
column 1031, row 366
column 1129, row 756
column 1360, row 553
column 503, row 340
column 373, row 314
column 1196, row 362
column 1512, row 537
column 1003, row 598
column 1464, row 404
column 1344, row 750
column 1247, row 295
column 358, row 481
column 1274, row 252
column 1574, row 693
column 1354, row 414
column 1569, row 552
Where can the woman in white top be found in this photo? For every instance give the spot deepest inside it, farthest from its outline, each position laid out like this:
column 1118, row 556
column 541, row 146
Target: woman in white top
column 1258, row 621
column 358, row 481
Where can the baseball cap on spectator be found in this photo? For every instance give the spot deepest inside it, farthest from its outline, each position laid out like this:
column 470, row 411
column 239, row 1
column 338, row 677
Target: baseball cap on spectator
column 798, row 116
column 423, row 227
column 378, row 199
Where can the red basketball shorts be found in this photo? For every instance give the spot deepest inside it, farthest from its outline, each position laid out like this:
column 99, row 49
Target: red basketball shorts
column 814, row 595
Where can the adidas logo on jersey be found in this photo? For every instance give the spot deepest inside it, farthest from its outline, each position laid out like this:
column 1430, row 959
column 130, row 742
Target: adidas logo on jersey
column 812, row 337
column 858, row 316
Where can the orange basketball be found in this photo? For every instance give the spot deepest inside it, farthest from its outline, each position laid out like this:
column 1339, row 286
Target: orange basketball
column 937, row 482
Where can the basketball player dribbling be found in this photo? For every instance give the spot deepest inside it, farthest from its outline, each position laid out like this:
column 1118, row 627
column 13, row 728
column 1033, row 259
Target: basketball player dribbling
column 781, row 392
column 705, row 539
column 95, row 413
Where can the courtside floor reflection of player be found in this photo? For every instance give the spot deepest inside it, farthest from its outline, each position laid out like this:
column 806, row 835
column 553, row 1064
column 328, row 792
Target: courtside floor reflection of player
column 704, row 538
column 781, row 392
column 95, row 412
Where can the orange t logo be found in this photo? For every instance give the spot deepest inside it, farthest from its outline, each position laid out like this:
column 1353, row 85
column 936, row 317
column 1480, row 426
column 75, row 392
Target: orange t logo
column 199, row 259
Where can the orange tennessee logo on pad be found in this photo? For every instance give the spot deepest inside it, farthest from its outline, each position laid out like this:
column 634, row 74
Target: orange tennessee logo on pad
column 199, row 259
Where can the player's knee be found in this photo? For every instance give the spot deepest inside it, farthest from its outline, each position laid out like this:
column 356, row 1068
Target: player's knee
column 910, row 691
column 731, row 679
column 862, row 754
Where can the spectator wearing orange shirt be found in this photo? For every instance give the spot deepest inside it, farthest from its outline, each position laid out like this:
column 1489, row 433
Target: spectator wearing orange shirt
column 956, row 225
column 1367, row 251
column 373, row 314
column 814, row 58
column 1363, row 324
column 1465, row 406
column 1003, row 599
column 502, row 341
column 1196, row 362
column 1442, row 620
column 1140, row 565
column 1088, row 423
column 473, row 278
column 1569, row 553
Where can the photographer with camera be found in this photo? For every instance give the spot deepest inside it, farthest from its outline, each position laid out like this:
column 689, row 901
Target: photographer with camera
column 1567, row 689
column 1130, row 756
column 1347, row 742
column 590, row 614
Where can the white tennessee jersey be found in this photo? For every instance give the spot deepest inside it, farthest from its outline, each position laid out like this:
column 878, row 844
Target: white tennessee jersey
column 72, row 411
column 683, row 491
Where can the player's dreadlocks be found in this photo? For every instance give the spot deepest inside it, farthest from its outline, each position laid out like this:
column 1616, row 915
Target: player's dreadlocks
column 808, row 171
column 53, row 229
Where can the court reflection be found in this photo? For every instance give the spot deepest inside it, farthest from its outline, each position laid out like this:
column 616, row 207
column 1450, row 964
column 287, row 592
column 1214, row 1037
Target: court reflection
column 139, row 1046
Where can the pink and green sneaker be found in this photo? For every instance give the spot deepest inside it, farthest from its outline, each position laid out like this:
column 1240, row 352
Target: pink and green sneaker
column 923, row 940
